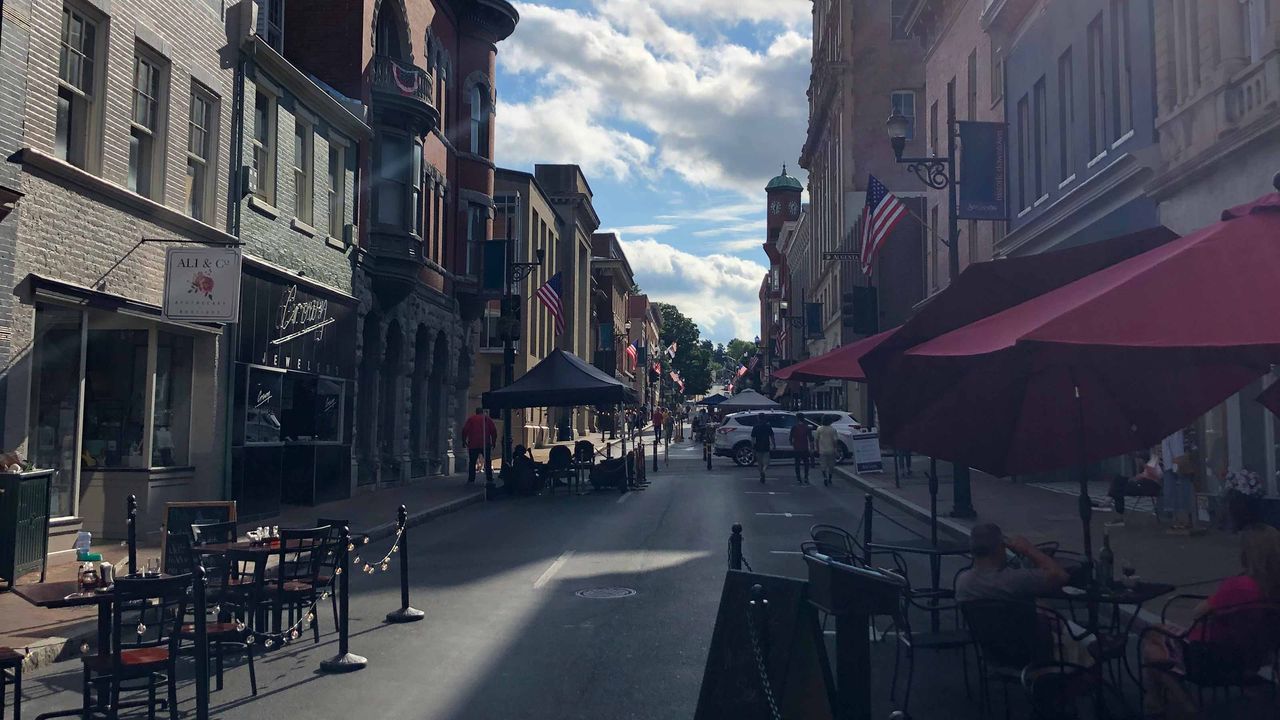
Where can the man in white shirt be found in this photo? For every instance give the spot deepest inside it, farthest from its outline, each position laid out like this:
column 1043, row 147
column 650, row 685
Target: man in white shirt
column 828, row 448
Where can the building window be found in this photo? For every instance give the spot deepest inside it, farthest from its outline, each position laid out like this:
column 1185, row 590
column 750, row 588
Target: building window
column 934, row 229
column 1024, row 153
column 971, row 91
column 903, row 103
column 146, row 145
column 399, row 195
column 897, row 16
column 337, row 188
column 1066, row 115
column 1041, row 140
column 479, row 122
column 77, row 62
column 271, row 22
column 303, row 176
column 997, row 75
column 490, row 339
column 477, row 216
column 264, row 147
column 201, row 119
column 1121, row 75
column 1097, row 91
column 415, row 190
column 172, row 415
column 1255, row 23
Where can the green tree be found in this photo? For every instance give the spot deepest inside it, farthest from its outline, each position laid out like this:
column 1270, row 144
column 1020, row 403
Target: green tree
column 693, row 355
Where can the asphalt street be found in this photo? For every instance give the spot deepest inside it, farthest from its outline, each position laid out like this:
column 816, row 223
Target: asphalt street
column 505, row 635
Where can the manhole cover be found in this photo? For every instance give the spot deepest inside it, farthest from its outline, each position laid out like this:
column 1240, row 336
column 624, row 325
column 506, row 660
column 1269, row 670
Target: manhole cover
column 605, row 593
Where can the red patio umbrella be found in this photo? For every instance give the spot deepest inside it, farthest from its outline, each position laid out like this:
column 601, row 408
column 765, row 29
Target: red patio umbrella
column 839, row 364
column 1108, row 363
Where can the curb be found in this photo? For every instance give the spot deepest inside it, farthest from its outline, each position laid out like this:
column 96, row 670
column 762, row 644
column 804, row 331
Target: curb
column 54, row 649
column 946, row 525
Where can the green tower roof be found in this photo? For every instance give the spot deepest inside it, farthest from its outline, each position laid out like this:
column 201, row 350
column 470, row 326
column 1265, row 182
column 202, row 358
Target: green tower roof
column 784, row 182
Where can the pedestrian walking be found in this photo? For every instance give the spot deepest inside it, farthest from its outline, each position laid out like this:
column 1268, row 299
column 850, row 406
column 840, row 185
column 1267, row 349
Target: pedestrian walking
column 659, row 419
column 669, row 425
column 763, row 442
column 801, row 449
column 828, row 447
column 479, row 433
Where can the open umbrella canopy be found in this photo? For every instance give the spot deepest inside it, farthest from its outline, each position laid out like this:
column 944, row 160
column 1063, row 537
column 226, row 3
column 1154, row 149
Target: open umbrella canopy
column 839, row 364
column 1108, row 363
column 747, row 400
column 713, row 400
column 562, row 379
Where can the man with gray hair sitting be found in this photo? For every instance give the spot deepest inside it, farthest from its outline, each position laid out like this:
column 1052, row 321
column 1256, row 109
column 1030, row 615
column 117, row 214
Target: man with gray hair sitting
column 991, row 578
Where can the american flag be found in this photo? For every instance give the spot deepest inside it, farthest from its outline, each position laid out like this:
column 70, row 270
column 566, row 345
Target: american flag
column 632, row 354
column 742, row 370
column 671, row 350
column 780, row 341
column 675, row 377
column 550, row 295
column 881, row 214
column 752, row 365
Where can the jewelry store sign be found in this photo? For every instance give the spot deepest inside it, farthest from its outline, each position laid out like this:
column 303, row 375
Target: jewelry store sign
column 202, row 285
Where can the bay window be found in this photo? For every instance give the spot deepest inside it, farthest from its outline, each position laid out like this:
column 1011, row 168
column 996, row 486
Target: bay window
column 398, row 199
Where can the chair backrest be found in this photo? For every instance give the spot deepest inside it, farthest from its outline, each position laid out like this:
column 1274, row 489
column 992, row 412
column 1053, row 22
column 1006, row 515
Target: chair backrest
column 178, row 556
column 1008, row 632
column 559, row 458
column 330, row 560
column 245, row 571
column 584, row 451
column 839, row 543
column 147, row 613
column 1235, row 641
column 302, row 553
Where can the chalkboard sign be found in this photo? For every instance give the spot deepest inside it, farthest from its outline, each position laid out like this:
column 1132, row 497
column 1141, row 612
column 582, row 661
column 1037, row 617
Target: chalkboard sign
column 799, row 671
column 180, row 516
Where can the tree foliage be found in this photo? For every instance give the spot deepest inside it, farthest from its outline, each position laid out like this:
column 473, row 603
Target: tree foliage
column 693, row 355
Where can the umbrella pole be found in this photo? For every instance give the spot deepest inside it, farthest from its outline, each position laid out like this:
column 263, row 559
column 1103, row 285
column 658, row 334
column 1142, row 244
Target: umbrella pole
column 1086, row 509
column 933, row 501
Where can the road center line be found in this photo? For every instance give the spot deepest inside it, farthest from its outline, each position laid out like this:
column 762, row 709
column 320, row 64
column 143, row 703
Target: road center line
column 785, row 552
column 786, row 514
column 624, row 498
column 763, row 492
column 547, row 574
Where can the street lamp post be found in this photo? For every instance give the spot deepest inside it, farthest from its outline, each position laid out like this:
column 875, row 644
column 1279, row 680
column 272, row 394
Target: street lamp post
column 516, row 272
column 939, row 173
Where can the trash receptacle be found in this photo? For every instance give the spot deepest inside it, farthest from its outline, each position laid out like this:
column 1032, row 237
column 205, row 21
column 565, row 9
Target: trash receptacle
column 24, row 524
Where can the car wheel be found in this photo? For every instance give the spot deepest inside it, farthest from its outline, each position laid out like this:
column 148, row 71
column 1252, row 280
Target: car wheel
column 744, row 455
column 842, row 454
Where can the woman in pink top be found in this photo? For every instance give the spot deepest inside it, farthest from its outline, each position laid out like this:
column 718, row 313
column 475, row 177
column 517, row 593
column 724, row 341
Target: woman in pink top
column 1162, row 655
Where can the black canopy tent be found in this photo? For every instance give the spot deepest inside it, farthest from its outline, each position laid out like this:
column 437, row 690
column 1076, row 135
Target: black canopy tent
column 562, row 379
column 712, row 400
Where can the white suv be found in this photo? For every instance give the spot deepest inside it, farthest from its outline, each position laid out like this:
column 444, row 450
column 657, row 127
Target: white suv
column 733, row 437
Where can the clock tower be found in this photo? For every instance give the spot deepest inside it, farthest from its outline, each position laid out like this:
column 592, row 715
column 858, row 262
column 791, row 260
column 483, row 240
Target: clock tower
column 783, row 193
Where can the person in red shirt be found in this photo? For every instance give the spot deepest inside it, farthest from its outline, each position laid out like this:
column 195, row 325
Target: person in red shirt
column 658, row 419
column 801, row 447
column 479, row 433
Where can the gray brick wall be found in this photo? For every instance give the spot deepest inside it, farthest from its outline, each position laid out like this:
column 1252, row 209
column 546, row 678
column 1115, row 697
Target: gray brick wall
column 275, row 239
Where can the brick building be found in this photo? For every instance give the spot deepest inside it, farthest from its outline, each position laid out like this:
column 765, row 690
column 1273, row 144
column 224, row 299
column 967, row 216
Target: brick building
column 612, row 281
column 115, row 127
column 424, row 71
column 646, row 324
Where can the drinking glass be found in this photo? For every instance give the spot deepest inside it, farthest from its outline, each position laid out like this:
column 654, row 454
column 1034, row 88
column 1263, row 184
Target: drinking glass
column 153, row 567
column 1128, row 570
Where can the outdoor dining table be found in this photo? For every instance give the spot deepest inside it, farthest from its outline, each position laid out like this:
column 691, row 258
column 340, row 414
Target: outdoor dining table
column 1135, row 594
column 935, row 551
column 65, row 594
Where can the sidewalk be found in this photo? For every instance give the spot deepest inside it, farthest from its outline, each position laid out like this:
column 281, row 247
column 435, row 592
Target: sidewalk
column 1049, row 511
column 52, row 634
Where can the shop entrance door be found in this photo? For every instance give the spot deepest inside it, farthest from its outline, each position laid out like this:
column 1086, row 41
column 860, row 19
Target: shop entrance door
column 57, row 371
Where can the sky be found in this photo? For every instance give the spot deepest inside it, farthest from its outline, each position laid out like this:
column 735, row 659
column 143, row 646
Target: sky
column 679, row 112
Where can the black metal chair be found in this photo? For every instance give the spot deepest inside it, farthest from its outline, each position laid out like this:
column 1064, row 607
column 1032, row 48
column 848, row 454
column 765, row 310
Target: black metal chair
column 837, row 543
column 295, row 585
column 1224, row 648
column 242, row 580
column 146, row 617
column 559, row 467
column 214, row 565
column 11, row 673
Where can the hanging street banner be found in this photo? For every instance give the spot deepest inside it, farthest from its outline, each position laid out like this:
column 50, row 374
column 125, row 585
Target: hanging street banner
column 202, row 284
column 984, row 171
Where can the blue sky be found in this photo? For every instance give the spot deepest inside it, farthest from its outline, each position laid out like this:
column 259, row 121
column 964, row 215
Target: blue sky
column 679, row 112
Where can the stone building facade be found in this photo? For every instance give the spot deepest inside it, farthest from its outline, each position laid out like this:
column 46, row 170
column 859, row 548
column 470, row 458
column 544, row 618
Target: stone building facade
column 115, row 129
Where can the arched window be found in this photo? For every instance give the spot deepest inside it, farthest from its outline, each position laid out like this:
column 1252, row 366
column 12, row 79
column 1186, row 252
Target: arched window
column 479, row 121
column 387, row 36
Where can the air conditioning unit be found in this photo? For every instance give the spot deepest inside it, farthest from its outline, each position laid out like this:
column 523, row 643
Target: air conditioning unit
column 350, row 233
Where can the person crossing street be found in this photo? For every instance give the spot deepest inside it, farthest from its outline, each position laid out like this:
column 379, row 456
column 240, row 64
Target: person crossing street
column 479, row 432
column 828, row 448
column 801, row 447
column 763, row 443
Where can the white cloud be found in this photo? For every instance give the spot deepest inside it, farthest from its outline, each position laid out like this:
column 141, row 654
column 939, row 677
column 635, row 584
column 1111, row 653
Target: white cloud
column 625, row 230
column 624, row 92
column 741, row 244
column 753, row 226
column 719, row 292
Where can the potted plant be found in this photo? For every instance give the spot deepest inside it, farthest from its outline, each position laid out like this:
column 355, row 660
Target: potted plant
column 1242, row 492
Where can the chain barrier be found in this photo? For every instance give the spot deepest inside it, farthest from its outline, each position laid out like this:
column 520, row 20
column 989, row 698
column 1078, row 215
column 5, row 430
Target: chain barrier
column 759, row 655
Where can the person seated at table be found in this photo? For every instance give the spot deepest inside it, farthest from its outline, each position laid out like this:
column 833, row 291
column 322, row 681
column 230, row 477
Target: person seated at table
column 524, row 471
column 1146, row 483
column 991, row 577
column 1163, row 655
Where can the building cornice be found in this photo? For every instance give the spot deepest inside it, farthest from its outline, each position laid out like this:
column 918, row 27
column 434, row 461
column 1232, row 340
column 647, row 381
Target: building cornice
column 306, row 90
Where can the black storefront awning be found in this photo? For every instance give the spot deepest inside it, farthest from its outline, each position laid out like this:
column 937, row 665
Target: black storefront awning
column 35, row 288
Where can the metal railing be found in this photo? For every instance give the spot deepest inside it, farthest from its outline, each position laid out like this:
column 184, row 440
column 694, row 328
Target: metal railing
column 396, row 77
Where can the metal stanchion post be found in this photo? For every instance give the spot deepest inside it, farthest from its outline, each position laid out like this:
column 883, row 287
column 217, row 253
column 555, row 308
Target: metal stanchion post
column 655, row 455
column 866, row 529
column 202, row 644
column 345, row 660
column 133, row 534
column 735, row 547
column 405, row 613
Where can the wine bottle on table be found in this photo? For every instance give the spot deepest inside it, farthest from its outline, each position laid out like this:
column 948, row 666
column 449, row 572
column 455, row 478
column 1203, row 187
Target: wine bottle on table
column 1106, row 563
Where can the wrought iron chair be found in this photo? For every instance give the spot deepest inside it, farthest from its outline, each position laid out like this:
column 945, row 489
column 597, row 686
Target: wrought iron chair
column 214, row 565
column 837, row 543
column 146, row 617
column 559, row 467
column 1223, row 649
column 295, row 584
column 242, row 580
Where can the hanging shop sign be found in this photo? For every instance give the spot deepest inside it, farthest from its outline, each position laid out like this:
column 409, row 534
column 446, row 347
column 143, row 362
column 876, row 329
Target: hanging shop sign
column 292, row 326
column 202, row 284
column 866, row 452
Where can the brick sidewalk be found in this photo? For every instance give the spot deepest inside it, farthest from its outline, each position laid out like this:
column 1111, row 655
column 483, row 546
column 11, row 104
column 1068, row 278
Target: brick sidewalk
column 51, row 634
column 1048, row 511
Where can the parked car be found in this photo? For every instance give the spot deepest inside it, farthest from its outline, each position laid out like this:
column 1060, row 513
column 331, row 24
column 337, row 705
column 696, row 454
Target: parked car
column 733, row 437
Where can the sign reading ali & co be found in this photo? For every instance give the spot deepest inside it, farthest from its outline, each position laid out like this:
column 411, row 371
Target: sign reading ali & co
column 202, row 284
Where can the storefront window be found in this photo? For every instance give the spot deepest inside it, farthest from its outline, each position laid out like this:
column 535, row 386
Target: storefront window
column 172, row 401
column 329, row 397
column 55, row 396
column 263, row 407
column 115, row 399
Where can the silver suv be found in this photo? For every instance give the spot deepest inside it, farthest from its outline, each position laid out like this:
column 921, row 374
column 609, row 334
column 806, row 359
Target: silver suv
column 733, row 437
